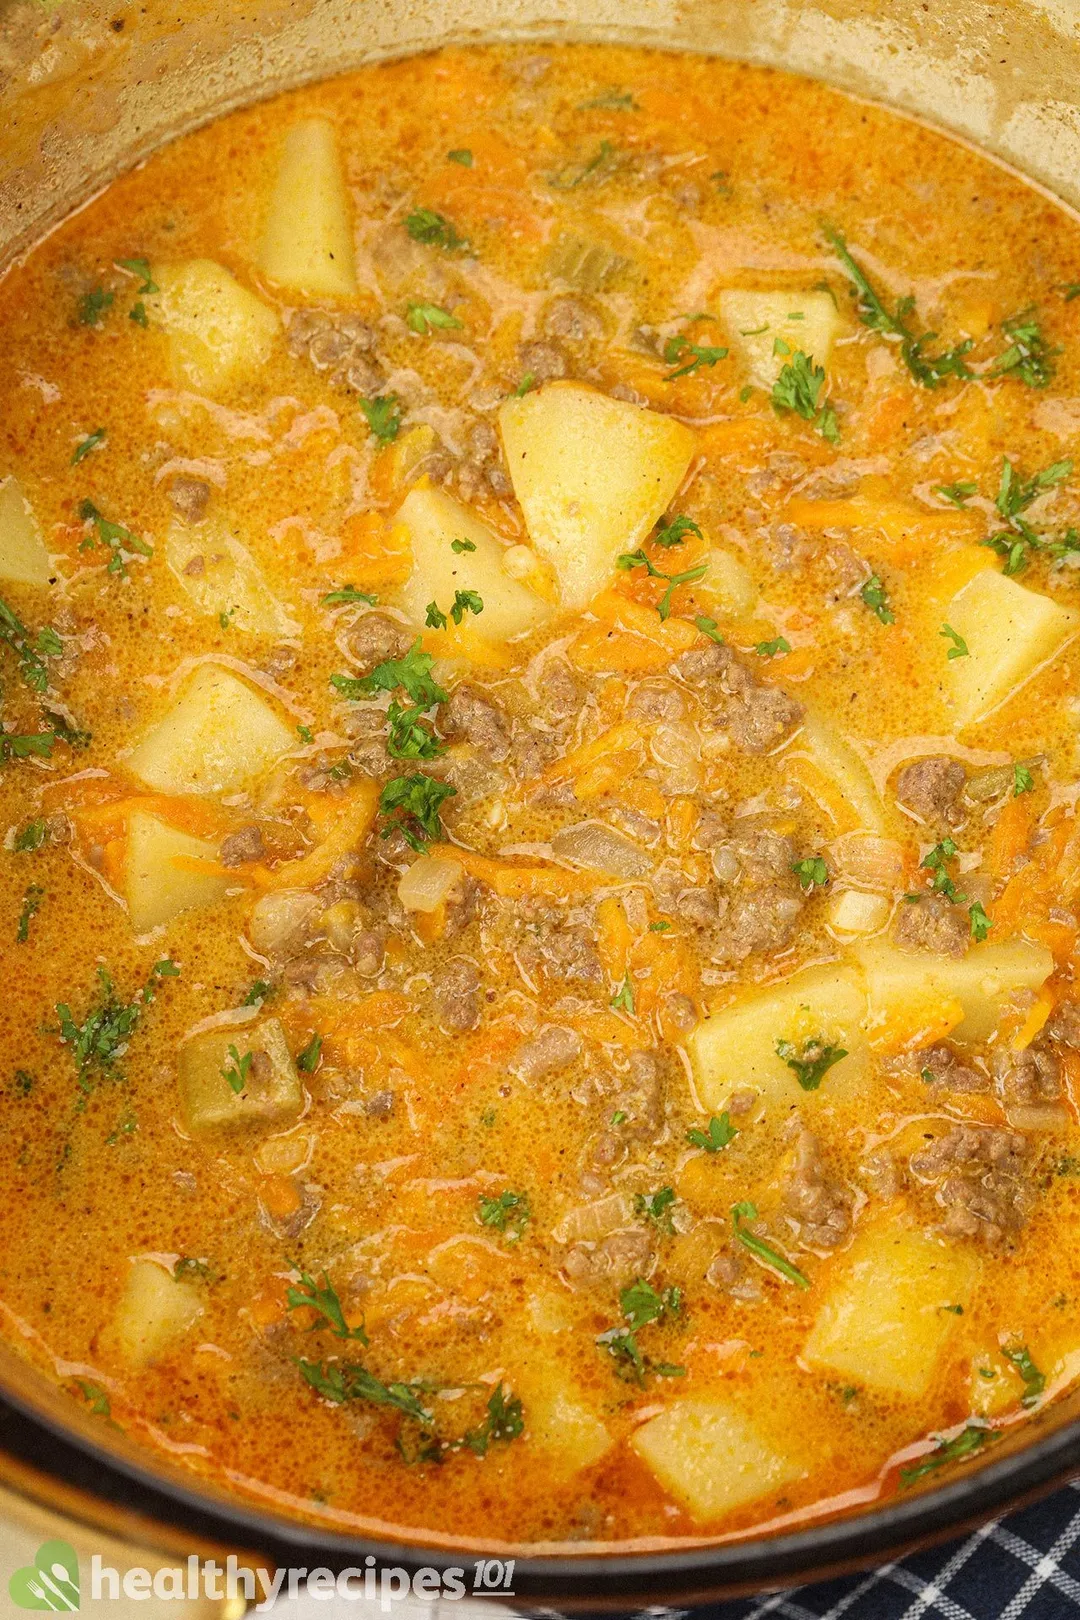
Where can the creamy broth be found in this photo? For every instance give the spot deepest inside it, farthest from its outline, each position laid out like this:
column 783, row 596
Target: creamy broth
column 540, row 758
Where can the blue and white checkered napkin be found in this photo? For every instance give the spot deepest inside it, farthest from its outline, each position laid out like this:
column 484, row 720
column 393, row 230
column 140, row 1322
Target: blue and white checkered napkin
column 1025, row 1567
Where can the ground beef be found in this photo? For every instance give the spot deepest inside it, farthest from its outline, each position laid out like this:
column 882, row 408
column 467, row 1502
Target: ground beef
column 243, row 846
column 375, row 638
column 462, row 906
column 978, row 1174
column 655, row 700
column 566, row 952
column 821, row 1208
column 542, row 361
column 931, row 789
column 1028, row 1078
column 763, row 897
column 342, row 345
column 553, row 1049
column 756, row 716
column 367, row 951
column 189, row 497
column 573, row 320
column 940, row 1066
column 932, row 924
column 729, row 1271
column 612, row 1263
column 642, row 1099
column 1064, row 1024
column 479, row 721
column 558, row 690
column 457, row 994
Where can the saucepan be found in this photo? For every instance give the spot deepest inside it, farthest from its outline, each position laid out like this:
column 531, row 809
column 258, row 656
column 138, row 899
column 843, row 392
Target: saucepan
column 88, row 88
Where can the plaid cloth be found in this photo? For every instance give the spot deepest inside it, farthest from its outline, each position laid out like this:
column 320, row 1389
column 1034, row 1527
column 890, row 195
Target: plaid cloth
column 1025, row 1567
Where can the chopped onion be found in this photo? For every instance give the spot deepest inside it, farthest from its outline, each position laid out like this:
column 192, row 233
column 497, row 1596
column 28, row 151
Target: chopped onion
column 276, row 917
column 853, row 912
column 429, row 881
column 867, row 859
column 601, row 849
column 676, row 750
column 591, row 1222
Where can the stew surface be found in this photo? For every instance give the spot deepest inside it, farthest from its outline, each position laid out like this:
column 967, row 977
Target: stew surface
column 540, row 704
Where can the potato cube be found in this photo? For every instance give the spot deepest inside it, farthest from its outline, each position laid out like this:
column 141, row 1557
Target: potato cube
column 887, row 1317
column 218, row 333
column 711, row 1458
column 217, row 736
column 903, row 987
column 270, row 1091
column 308, row 242
column 736, row 1047
column 433, row 521
column 160, row 880
column 756, row 320
column 592, row 475
column 1010, row 632
column 562, row 1426
column 154, row 1311
column 23, row 558
column 226, row 579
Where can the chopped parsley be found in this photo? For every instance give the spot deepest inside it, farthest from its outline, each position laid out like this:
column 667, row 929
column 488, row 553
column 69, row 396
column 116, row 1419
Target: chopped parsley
column 623, row 999
column 308, row 1061
column 114, row 537
column 508, row 1213
column 811, row 1062
column 84, row 446
column 1023, row 782
column 981, row 924
column 708, row 627
column 323, row 1300
column 957, row 494
column 676, row 350
column 594, row 171
column 425, row 225
column 641, row 1305
column 811, row 871
column 673, row 533
column 1014, row 496
column 140, row 268
column 638, row 559
column 959, row 647
column 406, row 737
column 798, row 388
column 383, row 417
column 31, row 652
column 936, row 861
column 1034, row 1381
column 137, row 313
column 305, row 734
column 464, row 602
column 528, row 381
column 745, row 1211
column 189, row 1266
column 103, row 1035
column 95, row 1397
column 15, row 745
column 412, row 802
column 258, row 993
column 930, row 370
column 656, row 1207
column 773, row 649
column 1028, row 356
column 31, row 906
column 348, row 596
column 876, row 598
column 237, row 1069
column 462, row 155
column 719, row 1133
column 340, row 1381
column 427, row 318
column 458, row 546
column 504, row 1422
column 412, row 673
column 92, row 306
column 971, row 1438
column 31, row 837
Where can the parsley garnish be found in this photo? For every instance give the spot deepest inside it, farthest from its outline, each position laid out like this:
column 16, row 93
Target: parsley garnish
column 677, row 348
column 189, row 1266
column 427, row 318
column 638, row 559
column 929, row 370
column 811, row 1063
column 708, row 628
column 308, row 1061
column 92, row 306
column 412, row 673
column 798, row 388
column 305, row 734
column 114, row 537
column 464, row 602
column 258, row 993
column 383, row 416
column 505, row 1420
column 1034, row 1380
column 959, row 648
column 84, row 447
column 30, row 653
column 623, row 999
column 595, row 170
column 32, row 836
column 141, row 269
column 1014, row 496
column 1023, row 782
column 414, row 801
column 348, row 596
column 95, row 1397
column 876, row 598
column 981, row 924
column 462, row 155
column 323, row 1300
column 407, row 738
column 22, row 745
column 237, row 1069
column 425, row 225
column 935, row 861
column 673, row 533
column 641, row 1305
column 103, row 1035
column 656, row 1207
column 811, row 871
column 745, row 1211
column 137, row 313
column 957, row 494
column 508, row 1214
column 719, row 1134
column 1028, row 356
column 458, row 546
column 773, row 649
column 349, row 1381
column 528, row 381
column 969, row 1440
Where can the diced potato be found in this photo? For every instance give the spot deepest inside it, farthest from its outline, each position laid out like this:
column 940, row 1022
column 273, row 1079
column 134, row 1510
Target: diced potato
column 271, row 1092
column 229, row 580
column 851, row 911
column 159, row 882
column 903, row 987
column 433, row 520
column 1010, row 631
column 218, row 736
column 218, row 333
column 710, row 1457
column 885, row 1320
column 570, row 1436
column 308, row 241
column 838, row 776
column 731, row 583
column 592, row 475
column 736, row 1047
column 23, row 558
column 154, row 1310
column 754, row 320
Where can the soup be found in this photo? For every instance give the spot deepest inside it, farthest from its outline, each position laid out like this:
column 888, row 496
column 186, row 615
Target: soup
column 539, row 775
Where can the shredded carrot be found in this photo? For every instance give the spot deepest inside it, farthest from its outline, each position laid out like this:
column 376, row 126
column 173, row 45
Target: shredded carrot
column 279, row 1195
column 597, row 650
column 108, row 820
column 1036, row 1017
column 344, row 834
column 614, row 938
column 374, row 552
column 1011, row 833
column 683, row 817
column 515, row 882
column 907, row 529
column 607, row 775
column 619, row 739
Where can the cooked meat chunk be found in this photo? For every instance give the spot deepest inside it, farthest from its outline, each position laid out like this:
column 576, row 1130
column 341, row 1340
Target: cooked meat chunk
column 375, row 638
column 573, row 320
column 566, row 952
column 932, row 924
column 457, row 994
column 729, row 1271
column 940, row 1066
column 479, row 721
column 642, row 1098
column 757, row 716
column 559, row 691
column 763, row 898
column 462, row 906
column 1064, row 1024
column 612, row 1263
column 189, row 497
column 368, row 951
column 821, row 1208
column 978, row 1172
column 758, row 922
column 931, row 789
column 243, row 846
column 1028, row 1078
column 655, row 700
column 553, row 1049
column 542, row 361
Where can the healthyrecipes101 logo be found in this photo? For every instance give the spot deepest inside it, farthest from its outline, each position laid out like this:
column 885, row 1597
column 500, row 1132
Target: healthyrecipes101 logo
column 52, row 1582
